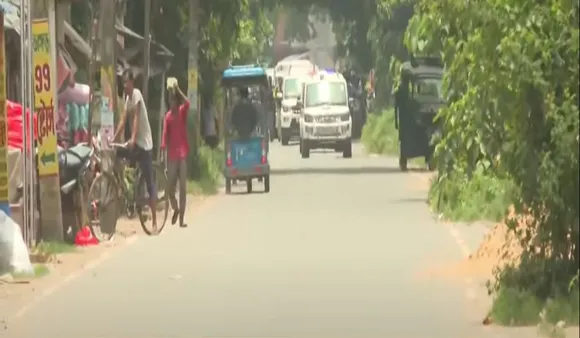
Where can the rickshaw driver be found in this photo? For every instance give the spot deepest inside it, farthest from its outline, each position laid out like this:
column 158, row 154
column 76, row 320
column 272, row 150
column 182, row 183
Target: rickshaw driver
column 244, row 115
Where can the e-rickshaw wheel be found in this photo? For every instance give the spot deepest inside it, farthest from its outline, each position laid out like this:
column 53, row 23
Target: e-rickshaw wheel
column 267, row 183
column 249, row 185
column 228, row 186
column 403, row 163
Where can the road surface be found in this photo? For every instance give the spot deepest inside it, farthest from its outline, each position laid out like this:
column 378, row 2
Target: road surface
column 339, row 248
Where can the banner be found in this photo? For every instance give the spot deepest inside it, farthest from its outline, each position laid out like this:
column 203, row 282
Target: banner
column 43, row 81
column 4, row 198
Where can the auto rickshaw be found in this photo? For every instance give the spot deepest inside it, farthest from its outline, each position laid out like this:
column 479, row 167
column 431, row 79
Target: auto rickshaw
column 417, row 101
column 246, row 156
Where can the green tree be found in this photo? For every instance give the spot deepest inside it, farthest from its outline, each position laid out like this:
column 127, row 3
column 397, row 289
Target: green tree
column 513, row 68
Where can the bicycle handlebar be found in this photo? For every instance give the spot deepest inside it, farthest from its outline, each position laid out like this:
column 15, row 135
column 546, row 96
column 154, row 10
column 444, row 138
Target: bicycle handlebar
column 118, row 145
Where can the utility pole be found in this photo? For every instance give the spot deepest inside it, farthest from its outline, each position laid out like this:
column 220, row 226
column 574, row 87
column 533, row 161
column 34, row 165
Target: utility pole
column 108, row 100
column 147, row 51
column 45, row 102
column 192, row 78
column 108, row 38
column 4, row 177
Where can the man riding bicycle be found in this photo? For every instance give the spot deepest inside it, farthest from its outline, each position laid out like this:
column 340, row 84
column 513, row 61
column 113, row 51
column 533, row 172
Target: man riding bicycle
column 140, row 142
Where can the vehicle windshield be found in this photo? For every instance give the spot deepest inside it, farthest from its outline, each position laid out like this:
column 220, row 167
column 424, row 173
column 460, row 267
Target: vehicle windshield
column 291, row 88
column 326, row 93
column 429, row 89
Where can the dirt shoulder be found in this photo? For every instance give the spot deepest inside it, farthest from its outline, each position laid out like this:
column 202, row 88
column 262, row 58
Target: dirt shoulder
column 16, row 294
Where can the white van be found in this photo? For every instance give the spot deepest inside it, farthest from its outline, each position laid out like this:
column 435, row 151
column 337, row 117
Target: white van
column 325, row 122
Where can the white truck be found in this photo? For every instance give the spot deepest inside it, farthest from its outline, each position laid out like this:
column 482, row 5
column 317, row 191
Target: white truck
column 325, row 119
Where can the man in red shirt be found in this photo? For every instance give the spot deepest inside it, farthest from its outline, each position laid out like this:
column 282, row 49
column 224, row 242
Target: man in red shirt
column 175, row 140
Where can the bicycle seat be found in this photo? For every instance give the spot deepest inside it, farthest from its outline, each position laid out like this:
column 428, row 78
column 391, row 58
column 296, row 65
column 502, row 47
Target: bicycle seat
column 75, row 156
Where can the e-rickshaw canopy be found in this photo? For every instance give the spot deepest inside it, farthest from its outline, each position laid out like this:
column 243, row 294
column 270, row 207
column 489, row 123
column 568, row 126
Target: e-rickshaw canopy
column 244, row 76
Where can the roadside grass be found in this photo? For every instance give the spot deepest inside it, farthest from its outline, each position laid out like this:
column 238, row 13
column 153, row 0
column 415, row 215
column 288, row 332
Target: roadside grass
column 39, row 270
column 379, row 136
column 211, row 164
column 515, row 307
column 468, row 199
column 54, row 248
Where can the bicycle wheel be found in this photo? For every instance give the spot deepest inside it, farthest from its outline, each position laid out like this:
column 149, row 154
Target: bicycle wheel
column 103, row 206
column 142, row 201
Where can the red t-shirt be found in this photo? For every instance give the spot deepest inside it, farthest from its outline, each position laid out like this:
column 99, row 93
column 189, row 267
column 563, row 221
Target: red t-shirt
column 175, row 133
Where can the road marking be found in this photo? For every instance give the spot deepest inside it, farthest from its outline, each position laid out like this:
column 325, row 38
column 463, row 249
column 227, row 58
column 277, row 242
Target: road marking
column 72, row 276
column 470, row 292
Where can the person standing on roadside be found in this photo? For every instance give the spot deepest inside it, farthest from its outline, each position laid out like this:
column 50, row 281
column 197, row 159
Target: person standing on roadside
column 140, row 142
column 174, row 139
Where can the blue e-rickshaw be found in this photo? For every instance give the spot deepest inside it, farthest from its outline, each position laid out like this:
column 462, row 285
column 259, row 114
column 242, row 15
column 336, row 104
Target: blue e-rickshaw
column 246, row 157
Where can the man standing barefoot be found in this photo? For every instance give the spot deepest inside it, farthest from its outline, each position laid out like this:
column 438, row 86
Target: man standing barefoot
column 175, row 141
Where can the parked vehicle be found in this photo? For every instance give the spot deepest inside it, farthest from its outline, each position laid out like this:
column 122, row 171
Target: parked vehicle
column 75, row 175
column 287, row 121
column 293, row 69
column 417, row 100
column 325, row 122
column 246, row 155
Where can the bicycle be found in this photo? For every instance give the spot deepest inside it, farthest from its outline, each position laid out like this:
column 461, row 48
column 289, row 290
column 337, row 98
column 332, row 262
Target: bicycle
column 118, row 197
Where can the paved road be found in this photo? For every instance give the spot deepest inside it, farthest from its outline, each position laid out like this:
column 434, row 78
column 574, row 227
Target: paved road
column 339, row 248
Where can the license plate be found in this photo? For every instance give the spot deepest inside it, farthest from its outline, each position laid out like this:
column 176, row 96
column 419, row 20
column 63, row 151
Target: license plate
column 326, row 130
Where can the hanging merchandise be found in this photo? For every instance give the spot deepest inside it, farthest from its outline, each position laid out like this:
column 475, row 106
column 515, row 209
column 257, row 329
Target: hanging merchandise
column 14, row 114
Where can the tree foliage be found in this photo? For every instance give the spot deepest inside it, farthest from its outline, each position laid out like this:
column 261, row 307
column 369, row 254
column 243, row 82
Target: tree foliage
column 512, row 70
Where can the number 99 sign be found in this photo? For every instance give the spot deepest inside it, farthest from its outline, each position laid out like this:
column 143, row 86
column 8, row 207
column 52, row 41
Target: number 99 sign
column 42, row 78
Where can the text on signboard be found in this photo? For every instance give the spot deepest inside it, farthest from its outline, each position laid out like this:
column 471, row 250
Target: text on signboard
column 2, row 134
column 41, row 43
column 42, row 78
column 45, row 120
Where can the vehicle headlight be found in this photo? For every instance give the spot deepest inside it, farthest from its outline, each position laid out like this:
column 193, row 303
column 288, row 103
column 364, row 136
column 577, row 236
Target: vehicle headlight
column 308, row 118
column 345, row 117
column 285, row 109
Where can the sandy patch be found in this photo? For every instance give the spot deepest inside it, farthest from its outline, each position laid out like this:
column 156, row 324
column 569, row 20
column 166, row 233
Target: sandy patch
column 499, row 247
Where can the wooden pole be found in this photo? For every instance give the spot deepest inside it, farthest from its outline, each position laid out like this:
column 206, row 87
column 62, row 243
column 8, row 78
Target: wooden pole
column 45, row 102
column 4, row 177
column 147, row 51
column 192, row 78
column 108, row 40
column 93, row 41
column 161, row 115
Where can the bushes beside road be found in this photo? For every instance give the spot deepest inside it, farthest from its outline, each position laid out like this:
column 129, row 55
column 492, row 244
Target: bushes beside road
column 379, row 135
column 511, row 130
column 211, row 165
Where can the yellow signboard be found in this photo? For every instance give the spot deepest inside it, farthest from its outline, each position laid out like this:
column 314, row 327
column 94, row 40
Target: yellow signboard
column 43, row 81
column 3, row 131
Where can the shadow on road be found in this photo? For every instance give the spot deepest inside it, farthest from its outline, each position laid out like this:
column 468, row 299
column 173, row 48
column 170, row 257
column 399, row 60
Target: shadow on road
column 341, row 171
column 421, row 200
column 244, row 192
